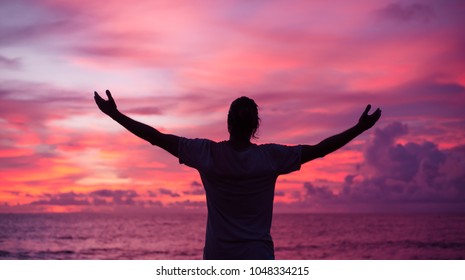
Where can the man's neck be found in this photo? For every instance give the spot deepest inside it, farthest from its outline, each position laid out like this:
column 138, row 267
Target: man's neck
column 239, row 144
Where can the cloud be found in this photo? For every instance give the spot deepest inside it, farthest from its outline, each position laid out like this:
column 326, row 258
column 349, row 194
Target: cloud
column 20, row 99
column 280, row 193
column 113, row 197
column 32, row 32
column 102, row 197
column 144, row 111
column 118, row 194
column 425, row 98
column 152, row 193
column 196, row 189
column 63, row 199
column 168, row 192
column 196, row 184
column 10, row 63
column 407, row 12
column 418, row 174
column 109, row 199
column 188, row 204
column 26, row 22
column 320, row 193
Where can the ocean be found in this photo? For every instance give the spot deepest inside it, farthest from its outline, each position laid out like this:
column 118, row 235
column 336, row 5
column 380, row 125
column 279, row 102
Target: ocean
column 181, row 236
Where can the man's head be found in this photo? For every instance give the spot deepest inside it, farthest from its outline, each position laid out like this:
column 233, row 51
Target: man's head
column 243, row 120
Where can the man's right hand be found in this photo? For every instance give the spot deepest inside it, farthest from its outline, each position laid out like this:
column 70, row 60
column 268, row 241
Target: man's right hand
column 106, row 106
column 367, row 121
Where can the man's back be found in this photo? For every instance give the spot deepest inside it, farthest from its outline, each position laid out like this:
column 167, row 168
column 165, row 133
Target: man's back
column 239, row 188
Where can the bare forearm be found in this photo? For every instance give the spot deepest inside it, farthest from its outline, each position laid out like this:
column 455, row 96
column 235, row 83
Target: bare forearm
column 330, row 144
column 167, row 142
column 139, row 129
column 337, row 141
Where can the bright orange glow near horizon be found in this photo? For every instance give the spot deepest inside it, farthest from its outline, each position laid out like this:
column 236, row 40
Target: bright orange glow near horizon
column 311, row 66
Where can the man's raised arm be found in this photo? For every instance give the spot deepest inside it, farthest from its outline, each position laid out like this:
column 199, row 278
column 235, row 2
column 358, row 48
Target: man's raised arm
column 167, row 142
column 331, row 144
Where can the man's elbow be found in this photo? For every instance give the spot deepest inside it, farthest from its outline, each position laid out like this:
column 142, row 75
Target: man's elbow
column 312, row 152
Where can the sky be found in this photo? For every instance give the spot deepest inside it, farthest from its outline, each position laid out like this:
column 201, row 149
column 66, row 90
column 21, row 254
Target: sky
column 311, row 66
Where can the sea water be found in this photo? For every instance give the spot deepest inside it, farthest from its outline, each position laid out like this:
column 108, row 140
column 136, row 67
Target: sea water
column 170, row 236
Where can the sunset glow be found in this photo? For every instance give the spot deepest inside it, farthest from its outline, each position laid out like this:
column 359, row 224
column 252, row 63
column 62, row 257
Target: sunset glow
column 311, row 66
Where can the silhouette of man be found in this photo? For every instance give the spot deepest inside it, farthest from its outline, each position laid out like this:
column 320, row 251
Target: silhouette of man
column 238, row 176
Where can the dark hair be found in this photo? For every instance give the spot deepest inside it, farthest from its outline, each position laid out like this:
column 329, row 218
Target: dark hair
column 243, row 120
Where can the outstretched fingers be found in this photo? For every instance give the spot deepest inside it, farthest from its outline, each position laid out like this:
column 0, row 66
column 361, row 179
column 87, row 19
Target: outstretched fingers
column 97, row 97
column 367, row 109
column 110, row 98
column 377, row 114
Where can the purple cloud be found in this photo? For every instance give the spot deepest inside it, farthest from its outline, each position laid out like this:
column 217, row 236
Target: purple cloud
column 152, row 193
column 64, row 199
column 118, row 197
column 35, row 22
column 320, row 193
column 188, row 204
column 196, row 184
column 197, row 189
column 10, row 63
column 101, row 197
column 411, row 173
column 280, row 193
column 195, row 192
column 407, row 12
column 114, row 193
column 168, row 192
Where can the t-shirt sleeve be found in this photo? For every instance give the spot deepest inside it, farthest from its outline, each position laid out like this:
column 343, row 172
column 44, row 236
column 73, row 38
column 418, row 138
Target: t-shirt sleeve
column 285, row 159
column 194, row 152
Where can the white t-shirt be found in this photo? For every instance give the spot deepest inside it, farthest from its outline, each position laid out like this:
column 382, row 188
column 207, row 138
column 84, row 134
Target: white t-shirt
column 239, row 187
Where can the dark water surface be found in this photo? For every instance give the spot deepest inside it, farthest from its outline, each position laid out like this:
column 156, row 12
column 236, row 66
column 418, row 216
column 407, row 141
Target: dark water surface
column 181, row 236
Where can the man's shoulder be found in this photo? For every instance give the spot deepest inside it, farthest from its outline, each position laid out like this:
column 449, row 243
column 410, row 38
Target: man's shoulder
column 279, row 148
column 196, row 140
column 273, row 145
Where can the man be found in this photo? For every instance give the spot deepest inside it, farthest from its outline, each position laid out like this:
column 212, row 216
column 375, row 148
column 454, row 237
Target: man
column 238, row 176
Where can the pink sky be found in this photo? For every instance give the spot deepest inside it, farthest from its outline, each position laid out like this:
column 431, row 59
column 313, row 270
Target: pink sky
column 312, row 66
